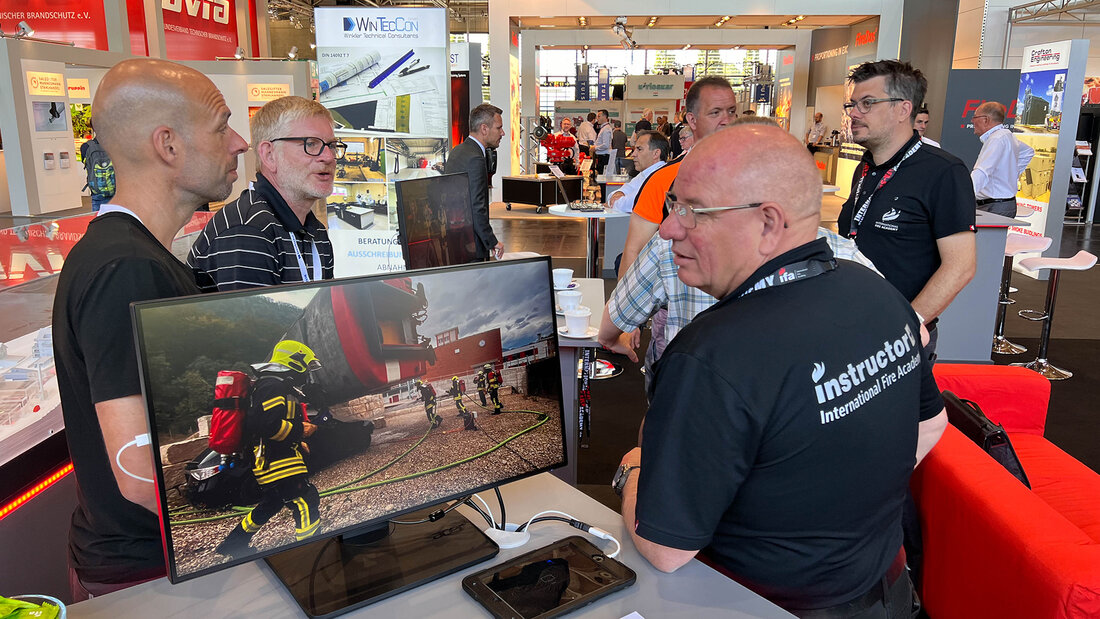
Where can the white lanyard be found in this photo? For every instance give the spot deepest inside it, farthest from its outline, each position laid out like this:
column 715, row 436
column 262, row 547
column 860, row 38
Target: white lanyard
column 302, row 266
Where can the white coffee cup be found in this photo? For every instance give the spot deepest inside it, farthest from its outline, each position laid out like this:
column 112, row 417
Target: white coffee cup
column 576, row 321
column 562, row 277
column 569, row 299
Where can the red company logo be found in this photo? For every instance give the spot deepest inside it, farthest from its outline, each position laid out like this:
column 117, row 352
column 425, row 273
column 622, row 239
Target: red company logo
column 216, row 10
column 971, row 105
column 789, row 59
column 863, row 38
column 34, row 82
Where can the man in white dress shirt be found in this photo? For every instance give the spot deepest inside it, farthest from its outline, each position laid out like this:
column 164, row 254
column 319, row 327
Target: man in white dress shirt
column 650, row 154
column 1002, row 159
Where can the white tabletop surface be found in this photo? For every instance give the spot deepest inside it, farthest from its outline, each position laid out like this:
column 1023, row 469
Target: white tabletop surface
column 563, row 210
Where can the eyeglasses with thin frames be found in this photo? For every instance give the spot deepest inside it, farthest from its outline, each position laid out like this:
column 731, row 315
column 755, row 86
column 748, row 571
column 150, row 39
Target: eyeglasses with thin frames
column 685, row 213
column 315, row 146
column 864, row 105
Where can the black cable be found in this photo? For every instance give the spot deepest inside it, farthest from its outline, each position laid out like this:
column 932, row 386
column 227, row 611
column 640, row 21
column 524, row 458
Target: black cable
column 478, row 509
column 436, row 515
column 501, row 499
column 572, row 523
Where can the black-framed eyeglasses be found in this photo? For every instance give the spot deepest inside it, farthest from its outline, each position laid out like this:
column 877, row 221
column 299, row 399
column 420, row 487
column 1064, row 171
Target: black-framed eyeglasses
column 685, row 213
column 315, row 146
column 864, row 105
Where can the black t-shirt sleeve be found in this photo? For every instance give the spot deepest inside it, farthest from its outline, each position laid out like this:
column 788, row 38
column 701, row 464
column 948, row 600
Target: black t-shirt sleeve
column 104, row 328
column 931, row 401
column 952, row 202
column 699, row 443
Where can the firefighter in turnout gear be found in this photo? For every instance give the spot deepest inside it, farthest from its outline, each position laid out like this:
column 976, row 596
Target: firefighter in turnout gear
column 492, row 379
column 277, row 423
column 427, row 393
column 479, row 380
column 458, row 390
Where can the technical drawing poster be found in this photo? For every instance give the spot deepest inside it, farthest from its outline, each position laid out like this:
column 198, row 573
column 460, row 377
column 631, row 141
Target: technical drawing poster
column 385, row 70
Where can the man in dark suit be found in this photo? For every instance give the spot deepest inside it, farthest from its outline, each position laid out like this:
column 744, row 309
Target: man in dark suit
column 486, row 130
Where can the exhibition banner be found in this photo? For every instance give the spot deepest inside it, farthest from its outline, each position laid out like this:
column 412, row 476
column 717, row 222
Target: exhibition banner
column 966, row 90
column 385, row 76
column 365, row 252
column 79, row 21
column 1047, row 121
column 199, row 29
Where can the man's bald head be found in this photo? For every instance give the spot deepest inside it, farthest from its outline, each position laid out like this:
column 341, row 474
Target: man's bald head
column 758, row 161
column 136, row 96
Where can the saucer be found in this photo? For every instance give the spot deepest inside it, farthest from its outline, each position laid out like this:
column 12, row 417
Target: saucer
column 560, row 312
column 590, row 333
column 572, row 284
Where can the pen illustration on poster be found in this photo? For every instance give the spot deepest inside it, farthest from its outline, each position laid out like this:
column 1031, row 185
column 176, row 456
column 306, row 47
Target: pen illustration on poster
column 384, row 74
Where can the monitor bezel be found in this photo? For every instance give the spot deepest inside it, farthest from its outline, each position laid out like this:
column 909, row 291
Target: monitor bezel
column 143, row 361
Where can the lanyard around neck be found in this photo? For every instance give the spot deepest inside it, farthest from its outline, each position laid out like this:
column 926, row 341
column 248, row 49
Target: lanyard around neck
column 791, row 273
column 301, row 264
column 857, row 217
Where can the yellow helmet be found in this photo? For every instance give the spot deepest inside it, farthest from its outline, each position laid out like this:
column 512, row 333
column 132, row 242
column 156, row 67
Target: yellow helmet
column 296, row 356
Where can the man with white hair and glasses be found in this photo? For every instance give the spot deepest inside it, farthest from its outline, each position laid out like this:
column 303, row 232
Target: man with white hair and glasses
column 269, row 235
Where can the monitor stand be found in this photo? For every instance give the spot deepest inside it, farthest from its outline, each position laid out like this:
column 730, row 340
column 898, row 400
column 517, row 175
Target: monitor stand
column 333, row 576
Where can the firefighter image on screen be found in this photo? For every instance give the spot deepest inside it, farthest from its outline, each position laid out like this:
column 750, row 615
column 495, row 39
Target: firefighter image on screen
column 427, row 393
column 479, row 380
column 276, row 423
column 492, row 378
column 458, row 389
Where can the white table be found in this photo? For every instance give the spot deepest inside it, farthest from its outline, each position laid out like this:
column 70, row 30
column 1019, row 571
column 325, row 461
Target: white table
column 252, row 590
column 570, row 350
column 592, row 263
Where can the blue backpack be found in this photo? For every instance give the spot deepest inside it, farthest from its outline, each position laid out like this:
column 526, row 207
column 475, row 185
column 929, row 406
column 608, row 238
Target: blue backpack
column 99, row 171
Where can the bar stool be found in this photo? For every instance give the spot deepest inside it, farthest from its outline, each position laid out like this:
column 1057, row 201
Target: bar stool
column 1014, row 244
column 1081, row 262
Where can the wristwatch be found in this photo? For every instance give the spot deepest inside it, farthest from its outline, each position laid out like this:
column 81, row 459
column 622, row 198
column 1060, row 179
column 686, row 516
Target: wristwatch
column 621, row 475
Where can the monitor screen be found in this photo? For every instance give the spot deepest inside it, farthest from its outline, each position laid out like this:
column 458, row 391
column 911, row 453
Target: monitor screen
column 387, row 368
column 434, row 221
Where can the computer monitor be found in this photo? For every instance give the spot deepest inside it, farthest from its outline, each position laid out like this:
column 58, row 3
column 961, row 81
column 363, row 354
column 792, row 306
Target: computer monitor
column 378, row 453
column 435, row 225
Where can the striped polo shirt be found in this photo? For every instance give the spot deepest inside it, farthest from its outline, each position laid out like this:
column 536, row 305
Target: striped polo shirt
column 248, row 243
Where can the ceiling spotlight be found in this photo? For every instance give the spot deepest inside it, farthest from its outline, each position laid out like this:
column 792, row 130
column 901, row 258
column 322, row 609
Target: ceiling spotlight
column 293, row 53
column 312, row 45
column 652, row 22
column 25, row 30
column 239, row 53
column 800, row 18
column 586, row 47
column 583, row 21
column 686, row 47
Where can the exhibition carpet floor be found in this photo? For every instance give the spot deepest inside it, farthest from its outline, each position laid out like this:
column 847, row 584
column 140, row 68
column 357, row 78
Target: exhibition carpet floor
column 618, row 404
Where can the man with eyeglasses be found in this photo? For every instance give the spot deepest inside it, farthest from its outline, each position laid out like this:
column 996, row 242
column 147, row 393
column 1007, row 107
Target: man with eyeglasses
column 1000, row 163
column 911, row 208
column 785, row 420
column 710, row 105
column 269, row 234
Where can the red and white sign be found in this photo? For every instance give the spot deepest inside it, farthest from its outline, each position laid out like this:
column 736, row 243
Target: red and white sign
column 199, row 29
column 79, row 89
column 79, row 21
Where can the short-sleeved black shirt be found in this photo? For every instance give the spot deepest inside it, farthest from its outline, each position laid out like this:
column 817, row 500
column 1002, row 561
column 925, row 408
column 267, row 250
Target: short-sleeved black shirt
column 930, row 197
column 117, row 262
column 775, row 441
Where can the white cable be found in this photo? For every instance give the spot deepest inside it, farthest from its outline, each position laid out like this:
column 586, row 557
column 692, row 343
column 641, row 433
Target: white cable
column 140, row 440
column 492, row 518
column 600, row 533
column 549, row 511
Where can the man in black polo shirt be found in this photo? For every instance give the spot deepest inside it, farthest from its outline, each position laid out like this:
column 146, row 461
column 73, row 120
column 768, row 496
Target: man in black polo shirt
column 911, row 209
column 786, row 463
column 269, row 235
column 166, row 129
